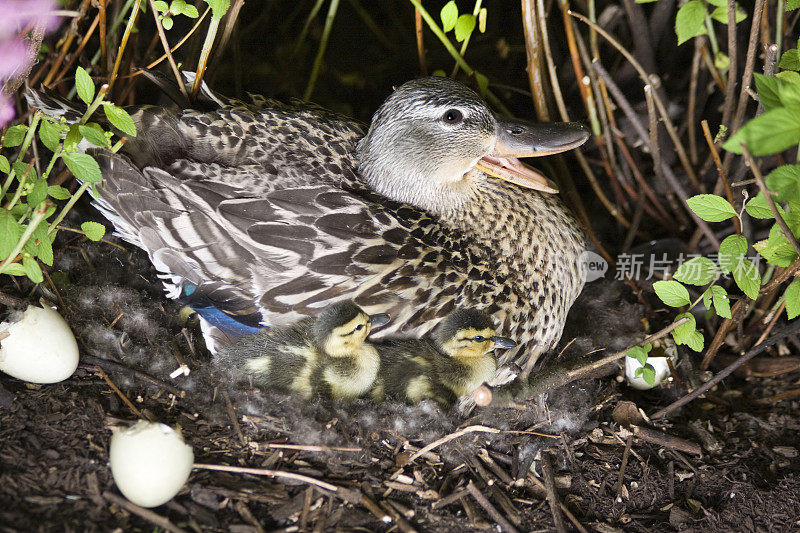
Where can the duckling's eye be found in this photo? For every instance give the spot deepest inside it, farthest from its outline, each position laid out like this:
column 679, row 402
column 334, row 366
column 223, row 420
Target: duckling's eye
column 359, row 327
column 479, row 338
column 452, row 116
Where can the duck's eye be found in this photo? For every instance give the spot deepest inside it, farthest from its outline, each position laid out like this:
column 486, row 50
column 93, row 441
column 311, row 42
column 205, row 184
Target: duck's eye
column 452, row 116
column 359, row 327
column 479, row 338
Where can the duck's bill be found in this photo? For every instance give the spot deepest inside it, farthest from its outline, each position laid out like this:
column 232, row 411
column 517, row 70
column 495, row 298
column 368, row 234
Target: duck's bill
column 517, row 139
column 378, row 320
column 503, row 342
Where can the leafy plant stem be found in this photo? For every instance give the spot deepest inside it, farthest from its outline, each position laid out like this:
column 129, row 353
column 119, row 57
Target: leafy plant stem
column 20, row 188
column 95, row 104
column 779, row 25
column 712, row 36
column 493, row 99
column 323, row 45
column 75, row 197
column 165, row 44
column 208, row 44
column 23, row 149
column 464, row 45
column 52, row 162
column 37, row 217
column 768, row 197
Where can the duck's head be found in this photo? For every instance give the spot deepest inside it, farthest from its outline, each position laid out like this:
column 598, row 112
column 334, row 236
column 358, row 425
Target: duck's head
column 434, row 140
column 341, row 328
column 468, row 333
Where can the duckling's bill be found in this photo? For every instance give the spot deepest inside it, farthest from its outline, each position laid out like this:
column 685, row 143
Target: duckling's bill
column 527, row 139
column 379, row 319
column 503, row 342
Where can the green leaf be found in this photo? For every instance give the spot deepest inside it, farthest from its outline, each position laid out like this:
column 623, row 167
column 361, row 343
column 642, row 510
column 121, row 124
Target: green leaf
column 119, row 118
column 785, row 181
column 83, row 167
column 10, row 232
column 758, row 208
column 711, row 208
column 777, row 249
column 695, row 341
column 218, row 7
column 792, row 298
column 84, row 85
column 718, row 296
column 790, row 60
column 697, row 271
column 731, row 252
column 167, row 22
column 32, row 269
column 645, row 1
column 14, row 269
column 42, row 243
column 648, row 374
column 93, row 133
column 638, row 353
column 773, row 132
column 160, row 6
column 767, row 88
column 690, row 21
column 449, row 16
column 682, row 332
column 672, row 293
column 720, row 14
column 94, row 231
column 58, row 192
column 464, row 26
column 791, row 5
column 191, row 11
column 722, row 61
column 38, row 192
column 482, row 20
column 72, row 138
column 15, row 135
column 5, row 167
column 177, row 7
column 50, row 135
column 748, row 278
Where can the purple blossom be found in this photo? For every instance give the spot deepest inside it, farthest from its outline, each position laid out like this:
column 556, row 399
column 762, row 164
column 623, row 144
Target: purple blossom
column 6, row 109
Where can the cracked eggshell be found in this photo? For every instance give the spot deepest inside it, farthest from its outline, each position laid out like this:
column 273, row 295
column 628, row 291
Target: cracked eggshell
column 150, row 462
column 40, row 347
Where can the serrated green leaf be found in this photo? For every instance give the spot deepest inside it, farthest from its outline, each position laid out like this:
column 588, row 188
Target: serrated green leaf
column 14, row 136
column 38, row 193
column 32, row 269
column 83, row 167
column 777, row 249
column 464, row 26
column 720, row 14
column 672, row 293
column 792, row 298
column 767, row 88
column 58, row 192
column 5, row 167
column 758, row 208
column 790, row 60
column 791, row 5
column 160, row 6
column 14, row 269
column 44, row 247
column 719, row 297
column 167, row 22
column 638, row 353
column 50, row 135
column 647, row 373
column 449, row 16
column 191, row 11
column 22, row 168
column 94, row 134
column 681, row 333
column 218, row 7
column 84, row 85
column 731, row 251
column 695, row 341
column 697, row 271
column 10, row 232
column 94, row 231
column 72, row 138
column 690, row 21
column 711, row 208
column 785, row 182
column 770, row 133
column 177, row 7
column 119, row 118
column 748, row 278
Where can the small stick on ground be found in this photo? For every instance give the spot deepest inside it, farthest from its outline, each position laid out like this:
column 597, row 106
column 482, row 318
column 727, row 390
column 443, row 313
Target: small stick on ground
column 791, row 329
column 147, row 514
column 623, row 466
column 119, row 393
column 666, row 440
column 499, row 519
column 552, row 495
column 233, row 417
column 451, row 436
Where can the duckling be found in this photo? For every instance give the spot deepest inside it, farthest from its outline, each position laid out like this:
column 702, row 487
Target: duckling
column 322, row 356
column 453, row 362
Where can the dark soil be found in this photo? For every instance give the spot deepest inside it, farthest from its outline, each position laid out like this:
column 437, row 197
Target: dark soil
column 54, row 439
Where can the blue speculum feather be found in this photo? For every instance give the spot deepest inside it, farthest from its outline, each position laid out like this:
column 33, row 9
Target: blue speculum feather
column 225, row 322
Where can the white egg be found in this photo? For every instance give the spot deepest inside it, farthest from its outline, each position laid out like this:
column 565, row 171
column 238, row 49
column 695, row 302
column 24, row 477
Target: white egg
column 150, row 462
column 637, row 382
column 40, row 347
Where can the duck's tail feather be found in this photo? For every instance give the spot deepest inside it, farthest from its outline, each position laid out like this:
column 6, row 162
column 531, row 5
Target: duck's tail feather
column 49, row 103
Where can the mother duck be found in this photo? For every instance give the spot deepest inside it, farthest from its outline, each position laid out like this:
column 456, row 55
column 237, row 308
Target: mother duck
column 259, row 213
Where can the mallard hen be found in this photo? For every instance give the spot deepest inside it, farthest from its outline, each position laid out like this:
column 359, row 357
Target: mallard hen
column 325, row 356
column 452, row 362
column 261, row 213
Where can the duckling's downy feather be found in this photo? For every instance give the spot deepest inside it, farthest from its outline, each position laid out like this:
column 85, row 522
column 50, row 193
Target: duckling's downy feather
column 258, row 210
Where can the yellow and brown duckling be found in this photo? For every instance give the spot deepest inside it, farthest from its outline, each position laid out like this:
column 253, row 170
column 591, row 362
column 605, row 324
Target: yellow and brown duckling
column 454, row 361
column 326, row 355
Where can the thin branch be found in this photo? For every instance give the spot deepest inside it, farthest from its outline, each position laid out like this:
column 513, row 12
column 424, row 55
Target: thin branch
column 165, row 44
